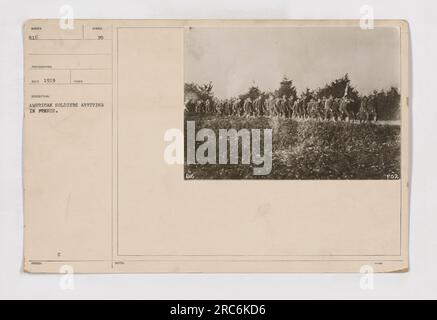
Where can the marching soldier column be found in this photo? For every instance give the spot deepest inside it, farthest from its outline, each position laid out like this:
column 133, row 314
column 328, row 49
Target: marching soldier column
column 306, row 107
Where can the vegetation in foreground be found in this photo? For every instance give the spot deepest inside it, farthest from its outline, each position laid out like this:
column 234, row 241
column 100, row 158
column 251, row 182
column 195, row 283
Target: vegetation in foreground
column 311, row 149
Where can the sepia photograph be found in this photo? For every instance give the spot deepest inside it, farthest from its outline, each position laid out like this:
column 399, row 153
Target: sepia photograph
column 297, row 103
column 221, row 158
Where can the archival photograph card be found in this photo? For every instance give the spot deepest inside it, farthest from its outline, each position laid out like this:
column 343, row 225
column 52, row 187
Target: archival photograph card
column 216, row 146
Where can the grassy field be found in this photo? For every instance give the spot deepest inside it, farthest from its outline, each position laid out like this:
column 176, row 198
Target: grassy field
column 311, row 149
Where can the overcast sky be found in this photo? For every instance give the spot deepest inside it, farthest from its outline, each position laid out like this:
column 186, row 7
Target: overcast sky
column 236, row 58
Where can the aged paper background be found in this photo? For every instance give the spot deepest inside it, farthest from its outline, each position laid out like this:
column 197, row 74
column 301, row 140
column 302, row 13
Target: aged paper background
column 99, row 197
